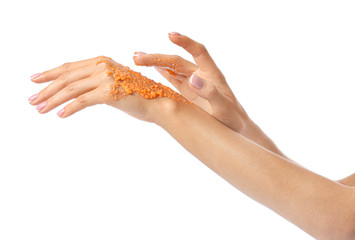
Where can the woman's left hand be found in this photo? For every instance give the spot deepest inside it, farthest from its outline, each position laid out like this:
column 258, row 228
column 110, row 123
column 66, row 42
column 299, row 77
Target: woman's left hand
column 88, row 83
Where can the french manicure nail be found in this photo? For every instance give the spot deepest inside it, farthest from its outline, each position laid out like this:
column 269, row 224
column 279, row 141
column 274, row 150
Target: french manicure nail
column 33, row 97
column 41, row 106
column 196, row 81
column 137, row 54
column 175, row 33
column 35, row 76
column 60, row 113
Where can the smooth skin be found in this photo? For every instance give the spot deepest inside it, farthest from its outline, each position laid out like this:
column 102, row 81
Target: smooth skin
column 237, row 149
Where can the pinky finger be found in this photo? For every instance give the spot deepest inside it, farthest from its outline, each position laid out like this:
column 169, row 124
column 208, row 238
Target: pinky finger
column 86, row 100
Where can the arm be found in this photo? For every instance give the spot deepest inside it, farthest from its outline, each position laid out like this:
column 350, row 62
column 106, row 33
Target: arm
column 349, row 181
column 319, row 206
column 211, row 92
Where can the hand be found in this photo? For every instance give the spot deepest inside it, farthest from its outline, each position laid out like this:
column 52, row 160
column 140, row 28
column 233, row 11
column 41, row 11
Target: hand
column 201, row 83
column 88, row 82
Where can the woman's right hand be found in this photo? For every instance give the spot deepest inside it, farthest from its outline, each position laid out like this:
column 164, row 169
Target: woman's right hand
column 201, row 83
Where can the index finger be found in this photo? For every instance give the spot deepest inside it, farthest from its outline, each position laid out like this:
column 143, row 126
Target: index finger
column 198, row 51
column 54, row 73
column 172, row 62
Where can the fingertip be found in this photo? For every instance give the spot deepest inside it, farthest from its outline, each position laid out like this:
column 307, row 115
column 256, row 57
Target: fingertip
column 64, row 112
column 137, row 57
column 137, row 61
column 181, row 40
column 35, row 75
column 64, row 115
column 36, row 101
column 138, row 54
column 37, row 78
column 60, row 113
column 174, row 34
column 33, row 97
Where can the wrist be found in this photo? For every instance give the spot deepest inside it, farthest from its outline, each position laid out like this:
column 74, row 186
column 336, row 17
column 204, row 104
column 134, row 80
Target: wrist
column 163, row 110
column 235, row 118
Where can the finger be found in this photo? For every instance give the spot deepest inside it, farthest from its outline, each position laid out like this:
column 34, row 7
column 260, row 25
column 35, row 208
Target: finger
column 199, row 52
column 208, row 91
column 173, row 62
column 69, row 92
column 171, row 74
column 52, row 74
column 63, row 80
column 172, row 79
column 83, row 101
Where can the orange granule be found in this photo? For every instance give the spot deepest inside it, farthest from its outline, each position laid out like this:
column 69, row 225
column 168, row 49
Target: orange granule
column 170, row 72
column 127, row 81
column 166, row 62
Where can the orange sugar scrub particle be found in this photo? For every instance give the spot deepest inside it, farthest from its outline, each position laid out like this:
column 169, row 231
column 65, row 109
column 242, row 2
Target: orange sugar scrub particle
column 166, row 62
column 127, row 81
column 170, row 72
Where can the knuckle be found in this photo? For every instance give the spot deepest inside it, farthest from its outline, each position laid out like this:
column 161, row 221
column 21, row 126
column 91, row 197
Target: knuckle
column 101, row 62
column 101, row 58
column 64, row 75
column 211, row 92
column 43, row 93
column 200, row 49
column 63, row 79
column 81, row 100
column 71, row 87
column 66, row 65
column 106, row 66
column 105, row 96
column 61, row 84
column 176, row 57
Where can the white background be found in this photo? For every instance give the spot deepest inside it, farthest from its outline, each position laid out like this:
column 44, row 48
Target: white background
column 101, row 174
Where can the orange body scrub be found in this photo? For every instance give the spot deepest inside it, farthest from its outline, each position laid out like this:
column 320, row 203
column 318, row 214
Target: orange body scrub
column 127, row 81
column 168, row 64
column 170, row 72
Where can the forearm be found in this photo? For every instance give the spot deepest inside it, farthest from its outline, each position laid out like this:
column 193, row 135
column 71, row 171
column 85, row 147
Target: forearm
column 253, row 132
column 349, row 181
column 310, row 201
column 245, row 126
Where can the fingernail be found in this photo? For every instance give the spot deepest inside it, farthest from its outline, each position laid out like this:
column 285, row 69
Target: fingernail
column 196, row 81
column 175, row 33
column 41, row 106
column 60, row 113
column 137, row 54
column 35, row 76
column 33, row 97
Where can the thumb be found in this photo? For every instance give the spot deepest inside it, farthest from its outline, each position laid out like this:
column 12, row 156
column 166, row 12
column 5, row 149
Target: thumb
column 208, row 91
column 203, row 88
